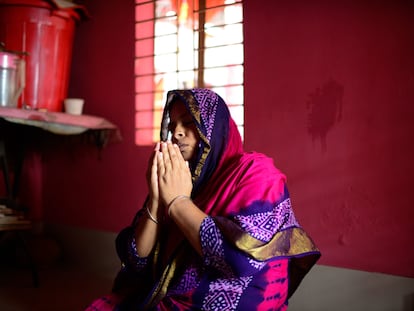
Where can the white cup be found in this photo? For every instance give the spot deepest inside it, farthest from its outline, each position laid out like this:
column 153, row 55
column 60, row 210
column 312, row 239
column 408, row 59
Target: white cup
column 74, row 105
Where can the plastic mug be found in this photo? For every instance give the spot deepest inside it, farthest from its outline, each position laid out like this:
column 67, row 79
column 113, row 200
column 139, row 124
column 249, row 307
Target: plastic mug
column 74, row 105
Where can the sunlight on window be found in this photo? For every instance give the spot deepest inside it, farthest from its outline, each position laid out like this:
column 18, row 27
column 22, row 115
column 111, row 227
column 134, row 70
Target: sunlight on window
column 186, row 44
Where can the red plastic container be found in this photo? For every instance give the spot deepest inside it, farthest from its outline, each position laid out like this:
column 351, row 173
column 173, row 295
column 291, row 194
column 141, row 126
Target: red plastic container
column 46, row 33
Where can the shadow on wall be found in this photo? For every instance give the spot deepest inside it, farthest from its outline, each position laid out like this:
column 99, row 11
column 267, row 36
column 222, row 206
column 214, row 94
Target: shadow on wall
column 325, row 110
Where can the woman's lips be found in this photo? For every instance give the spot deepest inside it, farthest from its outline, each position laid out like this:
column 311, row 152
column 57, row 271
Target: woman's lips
column 182, row 147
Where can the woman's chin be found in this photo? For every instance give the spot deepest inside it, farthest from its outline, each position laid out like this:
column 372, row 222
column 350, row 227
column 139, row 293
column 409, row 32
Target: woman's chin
column 185, row 155
column 188, row 159
column 188, row 154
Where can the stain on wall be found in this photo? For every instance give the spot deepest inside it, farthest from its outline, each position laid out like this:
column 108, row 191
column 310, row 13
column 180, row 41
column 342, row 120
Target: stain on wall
column 325, row 111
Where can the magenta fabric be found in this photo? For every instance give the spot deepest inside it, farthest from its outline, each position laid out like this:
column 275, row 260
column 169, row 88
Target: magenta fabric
column 106, row 303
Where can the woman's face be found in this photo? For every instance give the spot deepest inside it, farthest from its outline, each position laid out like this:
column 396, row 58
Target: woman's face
column 183, row 130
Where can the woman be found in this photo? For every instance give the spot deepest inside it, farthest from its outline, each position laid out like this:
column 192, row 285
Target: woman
column 217, row 231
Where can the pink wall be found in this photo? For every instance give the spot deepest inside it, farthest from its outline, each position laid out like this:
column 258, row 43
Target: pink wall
column 329, row 93
column 108, row 186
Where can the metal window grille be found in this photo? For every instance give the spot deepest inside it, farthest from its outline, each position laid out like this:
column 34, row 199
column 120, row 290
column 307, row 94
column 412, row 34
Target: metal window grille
column 185, row 44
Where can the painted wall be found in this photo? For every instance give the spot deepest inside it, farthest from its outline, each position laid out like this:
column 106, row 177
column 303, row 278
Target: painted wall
column 108, row 186
column 334, row 108
column 329, row 93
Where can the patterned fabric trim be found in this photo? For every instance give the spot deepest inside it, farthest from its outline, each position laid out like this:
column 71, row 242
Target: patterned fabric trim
column 289, row 242
column 224, row 294
column 263, row 226
column 189, row 281
column 212, row 246
column 138, row 262
column 213, row 250
column 208, row 105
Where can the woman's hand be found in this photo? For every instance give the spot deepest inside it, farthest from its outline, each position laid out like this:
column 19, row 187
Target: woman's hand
column 174, row 175
column 174, row 179
column 152, row 178
column 146, row 230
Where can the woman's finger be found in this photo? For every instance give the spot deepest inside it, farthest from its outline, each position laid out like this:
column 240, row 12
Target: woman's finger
column 166, row 156
column 175, row 156
column 154, row 164
column 152, row 160
column 180, row 162
column 160, row 163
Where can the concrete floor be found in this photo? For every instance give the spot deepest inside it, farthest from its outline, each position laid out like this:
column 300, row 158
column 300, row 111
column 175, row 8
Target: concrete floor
column 61, row 288
column 62, row 285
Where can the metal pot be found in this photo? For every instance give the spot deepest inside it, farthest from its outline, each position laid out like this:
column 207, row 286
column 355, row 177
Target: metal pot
column 12, row 78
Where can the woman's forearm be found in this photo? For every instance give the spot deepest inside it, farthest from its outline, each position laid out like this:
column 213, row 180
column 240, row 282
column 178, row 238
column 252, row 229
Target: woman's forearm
column 188, row 218
column 146, row 231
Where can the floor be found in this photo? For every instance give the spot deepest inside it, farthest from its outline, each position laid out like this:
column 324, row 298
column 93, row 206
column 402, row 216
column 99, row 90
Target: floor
column 61, row 286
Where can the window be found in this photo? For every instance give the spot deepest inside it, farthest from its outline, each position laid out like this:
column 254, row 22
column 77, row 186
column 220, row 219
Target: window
column 186, row 44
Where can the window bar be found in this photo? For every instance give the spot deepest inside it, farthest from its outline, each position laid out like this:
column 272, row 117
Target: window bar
column 201, row 42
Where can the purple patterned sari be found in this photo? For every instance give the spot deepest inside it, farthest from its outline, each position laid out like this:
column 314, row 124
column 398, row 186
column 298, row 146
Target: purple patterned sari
column 255, row 253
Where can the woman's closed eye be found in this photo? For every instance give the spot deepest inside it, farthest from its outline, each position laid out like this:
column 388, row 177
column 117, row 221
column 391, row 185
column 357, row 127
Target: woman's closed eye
column 186, row 124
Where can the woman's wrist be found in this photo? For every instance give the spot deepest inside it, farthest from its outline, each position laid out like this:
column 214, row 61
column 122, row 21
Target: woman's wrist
column 152, row 210
column 176, row 200
column 150, row 216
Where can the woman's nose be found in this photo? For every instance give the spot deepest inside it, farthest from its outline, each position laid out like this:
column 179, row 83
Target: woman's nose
column 178, row 132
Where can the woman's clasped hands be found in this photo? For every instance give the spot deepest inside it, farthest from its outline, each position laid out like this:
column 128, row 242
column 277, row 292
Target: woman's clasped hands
column 168, row 176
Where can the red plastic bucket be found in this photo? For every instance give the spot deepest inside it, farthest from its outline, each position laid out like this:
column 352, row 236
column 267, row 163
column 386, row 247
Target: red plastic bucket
column 46, row 34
